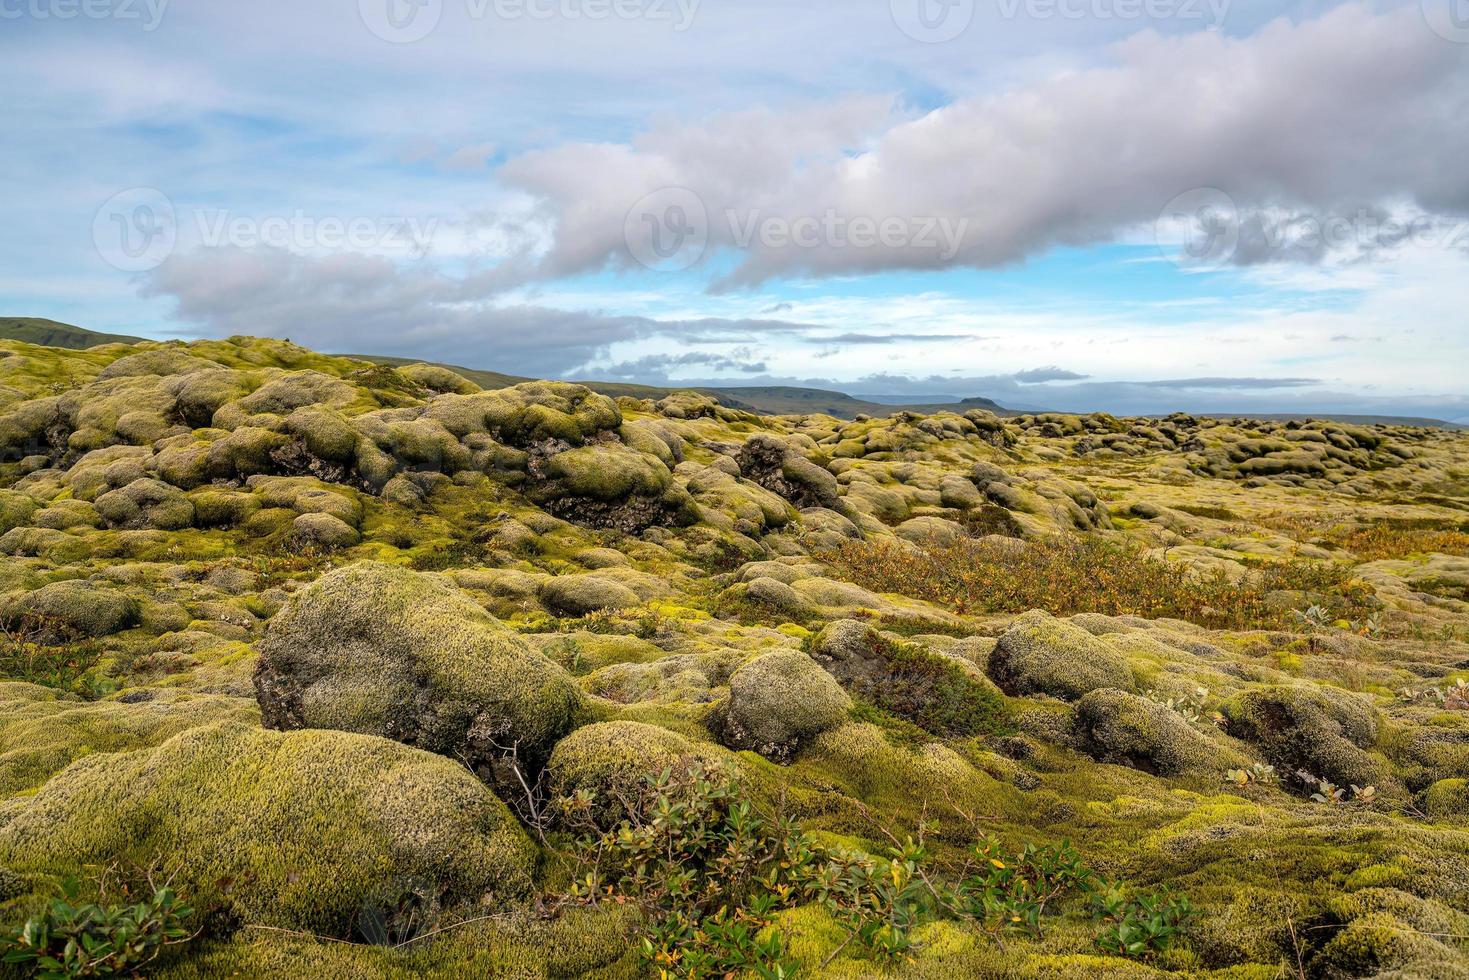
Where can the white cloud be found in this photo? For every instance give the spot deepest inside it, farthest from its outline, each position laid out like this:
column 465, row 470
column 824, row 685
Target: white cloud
column 1345, row 111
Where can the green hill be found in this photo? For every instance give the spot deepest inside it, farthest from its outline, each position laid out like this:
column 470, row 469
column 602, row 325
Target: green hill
column 51, row 333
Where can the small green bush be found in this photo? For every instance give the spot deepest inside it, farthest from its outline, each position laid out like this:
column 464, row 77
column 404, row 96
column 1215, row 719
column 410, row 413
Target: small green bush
column 67, row 666
column 1143, row 926
column 89, row 940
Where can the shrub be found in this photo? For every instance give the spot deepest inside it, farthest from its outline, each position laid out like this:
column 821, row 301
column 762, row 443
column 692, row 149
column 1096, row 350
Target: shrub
column 66, row 667
column 1069, row 575
column 1142, row 927
column 704, row 868
column 89, row 940
column 709, row 874
column 1015, row 894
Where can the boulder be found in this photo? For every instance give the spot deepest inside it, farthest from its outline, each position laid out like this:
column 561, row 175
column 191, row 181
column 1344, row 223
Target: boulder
column 146, row 503
column 1039, row 654
column 779, row 700
column 381, row 650
column 298, row 830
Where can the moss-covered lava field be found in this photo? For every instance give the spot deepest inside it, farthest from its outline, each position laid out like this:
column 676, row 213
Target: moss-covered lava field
column 378, row 674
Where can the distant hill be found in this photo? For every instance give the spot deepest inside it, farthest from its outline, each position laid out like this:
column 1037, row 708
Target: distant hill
column 766, row 400
column 50, row 333
column 769, row 400
column 1350, row 419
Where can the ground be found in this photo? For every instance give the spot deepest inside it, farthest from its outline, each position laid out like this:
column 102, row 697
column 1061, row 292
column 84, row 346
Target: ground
column 335, row 648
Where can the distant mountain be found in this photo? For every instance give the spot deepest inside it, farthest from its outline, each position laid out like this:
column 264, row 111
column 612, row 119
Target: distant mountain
column 50, row 333
column 1350, row 419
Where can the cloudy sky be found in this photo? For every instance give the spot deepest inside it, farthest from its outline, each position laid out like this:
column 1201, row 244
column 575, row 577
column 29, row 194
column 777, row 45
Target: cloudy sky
column 1130, row 205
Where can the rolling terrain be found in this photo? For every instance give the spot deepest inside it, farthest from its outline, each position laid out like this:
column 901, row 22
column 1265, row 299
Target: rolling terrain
column 388, row 670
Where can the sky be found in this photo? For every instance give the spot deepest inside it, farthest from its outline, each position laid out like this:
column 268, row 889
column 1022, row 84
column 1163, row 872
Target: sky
column 1135, row 206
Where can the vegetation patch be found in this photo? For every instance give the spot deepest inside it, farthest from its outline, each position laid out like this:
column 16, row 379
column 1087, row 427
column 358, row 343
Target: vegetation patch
column 1083, row 574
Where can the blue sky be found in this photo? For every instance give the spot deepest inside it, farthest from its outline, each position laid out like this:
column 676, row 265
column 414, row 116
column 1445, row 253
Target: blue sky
column 1129, row 205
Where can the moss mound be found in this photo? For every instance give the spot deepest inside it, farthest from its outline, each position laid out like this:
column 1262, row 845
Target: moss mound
column 779, row 700
column 1131, row 730
column 381, row 650
column 1043, row 655
column 299, row 830
column 70, row 609
column 612, row 760
column 939, row 694
column 577, row 595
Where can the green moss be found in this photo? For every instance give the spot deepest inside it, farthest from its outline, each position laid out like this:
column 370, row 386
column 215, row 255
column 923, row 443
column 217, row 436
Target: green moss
column 382, row 650
column 42, row 733
column 1122, row 727
column 323, row 532
column 612, row 760
column 1447, row 799
column 582, row 653
column 779, row 700
column 595, row 943
column 300, row 830
column 15, row 510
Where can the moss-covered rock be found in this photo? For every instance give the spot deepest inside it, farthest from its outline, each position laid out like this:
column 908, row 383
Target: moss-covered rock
column 578, row 595
column 15, row 510
column 323, row 532
column 382, row 650
column 1447, row 799
column 779, row 700
column 1040, row 654
column 300, row 830
column 1134, row 731
column 781, row 469
column 613, row 760
column 777, row 595
column 146, row 504
column 71, row 609
column 939, row 694
column 164, row 361
column 437, row 378
column 325, row 433
column 1301, row 728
